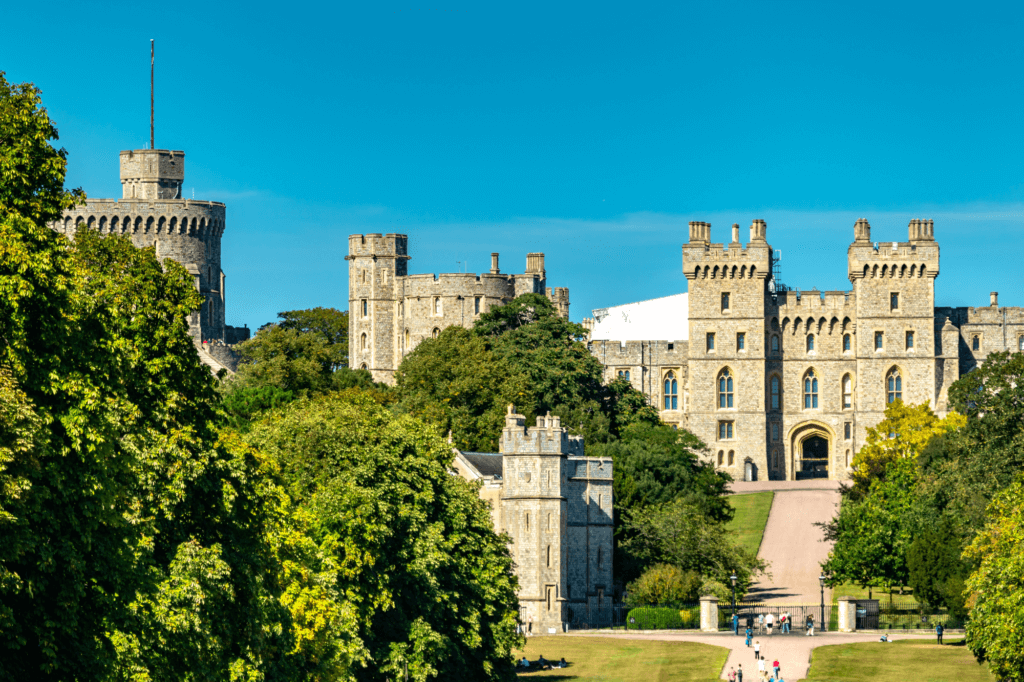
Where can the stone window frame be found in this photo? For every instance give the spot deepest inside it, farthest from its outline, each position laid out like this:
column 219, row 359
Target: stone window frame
column 437, row 309
column 741, row 341
column 847, row 343
column 726, row 301
column 622, row 373
column 893, row 384
column 1020, row 343
column 709, row 342
column 976, row 341
column 725, row 389
column 732, row 458
column 809, row 345
column 364, row 307
column 670, row 381
column 363, row 343
column 879, row 340
column 476, row 305
column 775, row 432
column 809, row 383
column 894, row 301
column 721, row 458
column 406, row 344
column 726, row 430
column 909, row 340
column 775, row 382
column 847, row 430
column 776, row 345
column 435, row 332
column 846, row 395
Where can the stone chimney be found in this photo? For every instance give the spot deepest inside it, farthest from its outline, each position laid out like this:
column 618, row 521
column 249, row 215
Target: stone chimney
column 494, row 264
column 994, row 299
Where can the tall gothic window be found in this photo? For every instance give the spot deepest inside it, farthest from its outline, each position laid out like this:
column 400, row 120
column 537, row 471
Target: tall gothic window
column 725, row 389
column 894, row 386
column 775, row 391
column 976, row 343
column 671, row 392
column 810, row 390
column 362, row 342
column 847, row 392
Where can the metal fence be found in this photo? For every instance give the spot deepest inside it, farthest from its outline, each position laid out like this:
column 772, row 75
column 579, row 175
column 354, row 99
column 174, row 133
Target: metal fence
column 907, row 614
column 755, row 616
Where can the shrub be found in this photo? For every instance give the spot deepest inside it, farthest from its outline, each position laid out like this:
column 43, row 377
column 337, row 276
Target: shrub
column 654, row 618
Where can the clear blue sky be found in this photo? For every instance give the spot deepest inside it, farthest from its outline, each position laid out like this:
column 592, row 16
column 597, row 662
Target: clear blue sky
column 592, row 132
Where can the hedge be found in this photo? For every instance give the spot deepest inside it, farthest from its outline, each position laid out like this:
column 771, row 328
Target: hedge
column 663, row 618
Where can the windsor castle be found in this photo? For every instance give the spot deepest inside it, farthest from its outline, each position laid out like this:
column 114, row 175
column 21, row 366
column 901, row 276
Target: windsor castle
column 780, row 384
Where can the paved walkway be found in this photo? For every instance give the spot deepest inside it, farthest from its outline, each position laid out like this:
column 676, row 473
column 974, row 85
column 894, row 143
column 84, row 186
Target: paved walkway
column 792, row 651
column 792, row 544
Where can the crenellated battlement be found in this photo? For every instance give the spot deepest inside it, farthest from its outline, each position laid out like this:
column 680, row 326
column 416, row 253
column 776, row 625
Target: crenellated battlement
column 549, row 437
column 796, row 302
column 633, row 352
column 918, row 257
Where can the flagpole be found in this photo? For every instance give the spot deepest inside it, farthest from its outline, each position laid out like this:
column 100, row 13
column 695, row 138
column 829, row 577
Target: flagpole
column 152, row 59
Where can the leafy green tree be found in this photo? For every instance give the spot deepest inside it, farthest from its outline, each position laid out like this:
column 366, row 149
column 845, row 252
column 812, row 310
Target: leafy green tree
column 289, row 359
column 412, row 546
column 131, row 541
column 456, row 383
column 997, row 616
column 330, row 323
column 680, row 534
column 522, row 310
column 937, row 571
column 664, row 585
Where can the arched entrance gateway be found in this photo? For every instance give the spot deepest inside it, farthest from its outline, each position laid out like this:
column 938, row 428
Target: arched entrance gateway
column 810, row 451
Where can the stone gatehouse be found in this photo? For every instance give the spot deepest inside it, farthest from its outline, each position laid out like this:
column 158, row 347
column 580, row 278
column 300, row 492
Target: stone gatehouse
column 556, row 505
column 784, row 384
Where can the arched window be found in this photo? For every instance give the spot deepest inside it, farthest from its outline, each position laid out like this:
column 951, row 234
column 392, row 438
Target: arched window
column 810, row 390
column 976, row 342
column 624, row 374
column 847, row 392
column 775, row 344
column 362, row 342
column 549, row 556
column 437, row 305
column 894, row 386
column 434, row 334
column 725, row 301
column 366, row 308
column 775, row 392
column 406, row 339
column 362, row 366
column 810, row 342
column 671, row 392
column 721, row 458
column 846, row 342
column 725, row 389
column 732, row 457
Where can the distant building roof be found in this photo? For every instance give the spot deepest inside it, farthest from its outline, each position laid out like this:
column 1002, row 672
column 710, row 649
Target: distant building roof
column 658, row 319
column 487, row 463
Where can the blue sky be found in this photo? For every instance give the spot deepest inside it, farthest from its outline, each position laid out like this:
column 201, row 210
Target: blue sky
column 593, row 132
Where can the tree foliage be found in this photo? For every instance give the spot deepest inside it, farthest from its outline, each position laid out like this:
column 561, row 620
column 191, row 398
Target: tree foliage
column 411, row 545
column 997, row 587
column 329, row 323
column 664, row 585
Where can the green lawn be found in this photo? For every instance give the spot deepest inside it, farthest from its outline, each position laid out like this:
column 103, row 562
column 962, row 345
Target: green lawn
column 624, row 660
column 919, row 660
column 751, row 517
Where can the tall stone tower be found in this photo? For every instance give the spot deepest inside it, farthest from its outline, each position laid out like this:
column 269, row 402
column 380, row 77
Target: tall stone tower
column 894, row 286
column 375, row 263
column 152, row 213
column 728, row 294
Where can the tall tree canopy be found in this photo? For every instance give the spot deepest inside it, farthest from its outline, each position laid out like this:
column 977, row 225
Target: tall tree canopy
column 414, row 549
column 131, row 541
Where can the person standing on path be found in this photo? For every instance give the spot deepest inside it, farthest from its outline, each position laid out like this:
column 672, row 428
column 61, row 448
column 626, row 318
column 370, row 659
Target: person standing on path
column 787, row 621
column 769, row 622
column 938, row 632
column 757, row 651
column 775, row 667
column 749, row 635
column 760, row 624
column 739, row 673
column 810, row 626
column 761, row 669
column 735, row 624
column 732, row 675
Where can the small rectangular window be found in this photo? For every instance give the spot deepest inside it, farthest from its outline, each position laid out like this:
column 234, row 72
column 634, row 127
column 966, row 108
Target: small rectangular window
column 894, row 301
column 775, row 432
column 476, row 305
column 878, row 340
column 741, row 341
column 848, row 430
column 725, row 301
column 365, row 307
column 671, row 346
column 724, row 430
column 910, row 340
column 711, row 341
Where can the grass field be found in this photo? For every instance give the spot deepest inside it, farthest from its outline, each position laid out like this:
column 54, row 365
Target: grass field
column 624, row 660
column 751, row 517
column 906, row 660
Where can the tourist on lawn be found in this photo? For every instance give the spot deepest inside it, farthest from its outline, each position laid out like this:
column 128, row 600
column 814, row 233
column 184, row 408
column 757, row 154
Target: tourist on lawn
column 757, row 651
column 769, row 622
column 563, row 664
column 938, row 631
column 810, row 626
column 525, row 662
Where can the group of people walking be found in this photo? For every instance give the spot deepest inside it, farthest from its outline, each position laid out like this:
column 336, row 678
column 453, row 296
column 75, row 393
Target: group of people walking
column 765, row 623
column 736, row 674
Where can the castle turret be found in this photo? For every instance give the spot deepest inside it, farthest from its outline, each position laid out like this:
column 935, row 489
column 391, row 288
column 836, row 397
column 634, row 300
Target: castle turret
column 152, row 174
column 376, row 310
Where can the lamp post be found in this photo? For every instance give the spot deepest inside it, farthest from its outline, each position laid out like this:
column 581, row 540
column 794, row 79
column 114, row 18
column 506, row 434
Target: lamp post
column 735, row 622
column 821, row 579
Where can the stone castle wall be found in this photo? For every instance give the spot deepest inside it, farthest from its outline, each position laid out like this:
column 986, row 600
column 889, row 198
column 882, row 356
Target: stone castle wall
column 392, row 312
